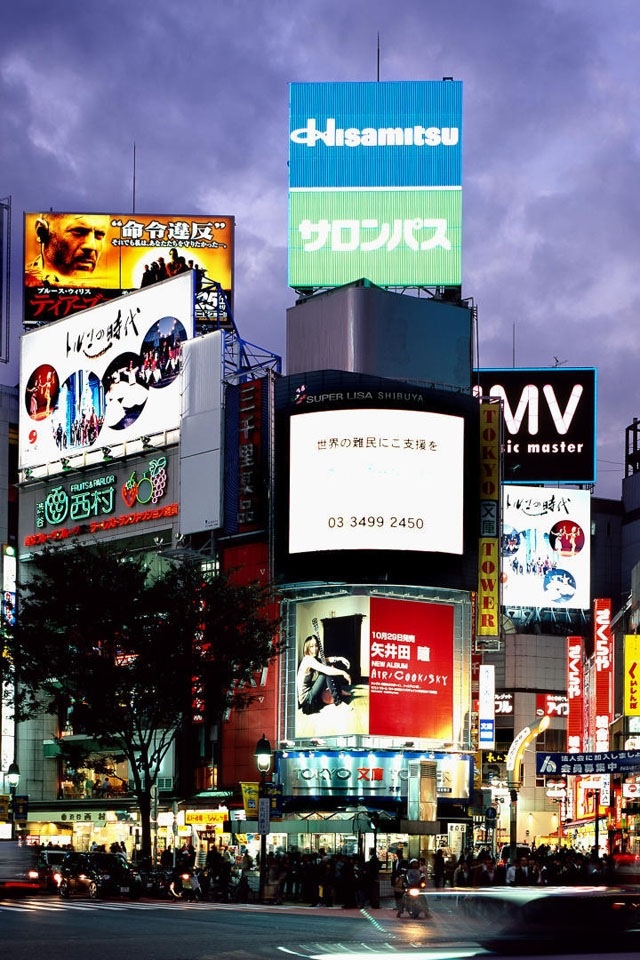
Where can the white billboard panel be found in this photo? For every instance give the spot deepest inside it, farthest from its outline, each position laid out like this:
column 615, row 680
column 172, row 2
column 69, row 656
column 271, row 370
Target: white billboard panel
column 104, row 376
column 546, row 548
column 376, row 480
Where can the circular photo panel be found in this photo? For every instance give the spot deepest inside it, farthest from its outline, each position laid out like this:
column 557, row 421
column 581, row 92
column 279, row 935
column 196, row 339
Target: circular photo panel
column 509, row 542
column 79, row 414
column 559, row 586
column 125, row 392
column 161, row 351
column 566, row 538
column 41, row 392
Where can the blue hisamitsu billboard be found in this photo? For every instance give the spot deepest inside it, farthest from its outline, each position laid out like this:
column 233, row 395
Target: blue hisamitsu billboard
column 375, row 183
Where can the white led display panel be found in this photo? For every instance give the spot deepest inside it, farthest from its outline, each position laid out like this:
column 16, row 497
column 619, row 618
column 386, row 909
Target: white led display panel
column 376, row 479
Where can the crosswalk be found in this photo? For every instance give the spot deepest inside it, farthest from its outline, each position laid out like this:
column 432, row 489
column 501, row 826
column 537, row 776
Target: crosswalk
column 57, row 905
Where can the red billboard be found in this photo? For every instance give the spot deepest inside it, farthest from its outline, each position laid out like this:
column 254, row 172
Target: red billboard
column 575, row 695
column 376, row 666
column 73, row 261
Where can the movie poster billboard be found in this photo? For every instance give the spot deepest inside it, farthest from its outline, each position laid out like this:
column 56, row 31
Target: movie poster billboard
column 105, row 376
column 375, row 666
column 375, row 183
column 75, row 261
column 545, row 548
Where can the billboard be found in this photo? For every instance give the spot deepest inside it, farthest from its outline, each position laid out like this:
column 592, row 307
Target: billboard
column 382, row 479
column 375, row 183
column 546, row 548
column 74, row 261
column 104, row 376
column 549, row 422
column 375, row 666
column 631, row 675
column 107, row 499
column 374, row 476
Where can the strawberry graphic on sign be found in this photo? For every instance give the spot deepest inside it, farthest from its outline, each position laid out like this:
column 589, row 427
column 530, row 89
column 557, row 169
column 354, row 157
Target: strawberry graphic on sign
column 148, row 488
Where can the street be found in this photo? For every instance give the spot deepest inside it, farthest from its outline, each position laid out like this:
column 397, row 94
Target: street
column 161, row 930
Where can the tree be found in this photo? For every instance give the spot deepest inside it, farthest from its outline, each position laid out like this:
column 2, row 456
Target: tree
column 116, row 651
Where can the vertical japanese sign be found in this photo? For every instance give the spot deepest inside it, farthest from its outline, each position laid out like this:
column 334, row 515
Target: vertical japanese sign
column 488, row 601
column 375, row 183
column 575, row 695
column 631, row 675
column 487, row 708
column 603, row 656
column 250, row 510
column 411, row 660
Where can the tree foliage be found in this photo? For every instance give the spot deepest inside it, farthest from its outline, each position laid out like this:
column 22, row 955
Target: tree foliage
column 116, row 650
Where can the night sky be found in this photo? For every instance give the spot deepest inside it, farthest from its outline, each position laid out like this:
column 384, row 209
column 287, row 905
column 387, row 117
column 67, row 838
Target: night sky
column 551, row 167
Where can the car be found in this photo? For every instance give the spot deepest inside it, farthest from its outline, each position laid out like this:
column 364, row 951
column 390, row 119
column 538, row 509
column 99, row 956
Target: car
column 98, row 874
column 48, row 865
column 18, row 875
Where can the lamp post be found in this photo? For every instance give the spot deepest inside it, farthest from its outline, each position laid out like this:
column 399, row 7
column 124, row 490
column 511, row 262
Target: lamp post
column 514, row 775
column 13, row 776
column 263, row 762
column 595, row 794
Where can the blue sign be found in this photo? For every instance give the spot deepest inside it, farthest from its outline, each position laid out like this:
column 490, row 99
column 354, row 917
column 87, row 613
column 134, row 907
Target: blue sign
column 395, row 134
column 585, row 764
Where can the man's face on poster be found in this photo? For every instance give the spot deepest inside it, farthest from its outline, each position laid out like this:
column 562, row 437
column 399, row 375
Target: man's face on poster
column 73, row 244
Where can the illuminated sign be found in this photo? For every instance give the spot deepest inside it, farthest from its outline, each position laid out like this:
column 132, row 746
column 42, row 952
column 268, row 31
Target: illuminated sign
column 632, row 675
column 98, row 496
column 351, row 773
column 375, row 183
column 488, row 596
column 546, row 548
column 549, row 422
column 551, row 705
column 375, row 665
column 104, row 376
column 74, row 261
column 575, row 695
column 376, row 479
column 603, row 662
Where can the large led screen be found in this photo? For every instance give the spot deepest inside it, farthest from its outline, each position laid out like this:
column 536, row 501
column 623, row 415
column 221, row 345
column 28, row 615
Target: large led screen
column 390, row 662
column 549, row 422
column 104, row 376
column 376, row 479
column 546, row 548
column 375, row 183
column 75, row 261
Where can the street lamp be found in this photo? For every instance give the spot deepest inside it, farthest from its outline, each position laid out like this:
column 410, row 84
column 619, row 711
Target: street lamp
column 263, row 762
column 514, row 775
column 13, row 776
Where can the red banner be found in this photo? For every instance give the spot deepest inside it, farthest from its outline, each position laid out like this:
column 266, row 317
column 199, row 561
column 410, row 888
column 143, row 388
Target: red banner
column 411, row 664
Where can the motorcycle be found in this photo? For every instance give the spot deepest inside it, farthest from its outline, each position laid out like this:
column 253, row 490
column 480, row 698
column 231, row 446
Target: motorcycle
column 414, row 901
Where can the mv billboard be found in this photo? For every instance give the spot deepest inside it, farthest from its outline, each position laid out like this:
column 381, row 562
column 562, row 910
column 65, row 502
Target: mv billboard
column 75, row 261
column 375, row 183
column 549, row 422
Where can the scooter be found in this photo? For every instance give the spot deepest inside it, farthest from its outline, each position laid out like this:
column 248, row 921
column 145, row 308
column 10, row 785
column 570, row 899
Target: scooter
column 414, row 902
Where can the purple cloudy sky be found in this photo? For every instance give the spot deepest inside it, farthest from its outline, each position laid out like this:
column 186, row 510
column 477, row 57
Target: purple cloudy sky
column 551, row 160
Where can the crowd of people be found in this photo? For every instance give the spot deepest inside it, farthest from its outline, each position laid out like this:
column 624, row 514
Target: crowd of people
column 322, row 879
column 542, row 865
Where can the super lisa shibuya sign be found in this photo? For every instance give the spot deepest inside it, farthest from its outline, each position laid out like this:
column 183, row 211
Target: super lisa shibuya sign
column 375, row 183
column 549, row 422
